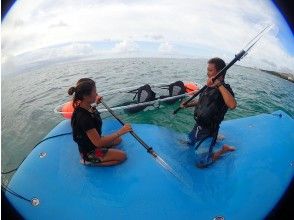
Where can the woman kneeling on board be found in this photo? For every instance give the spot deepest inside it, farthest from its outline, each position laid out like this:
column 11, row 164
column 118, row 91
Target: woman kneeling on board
column 87, row 123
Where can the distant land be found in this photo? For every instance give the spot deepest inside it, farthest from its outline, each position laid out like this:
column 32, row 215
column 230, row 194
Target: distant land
column 286, row 76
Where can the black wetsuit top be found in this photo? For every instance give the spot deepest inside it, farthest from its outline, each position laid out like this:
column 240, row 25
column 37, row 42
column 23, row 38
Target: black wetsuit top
column 82, row 121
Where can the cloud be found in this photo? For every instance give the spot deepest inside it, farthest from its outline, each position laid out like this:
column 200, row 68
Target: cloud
column 267, row 54
column 154, row 36
column 59, row 24
column 60, row 52
column 18, row 23
column 165, row 48
column 202, row 29
column 39, row 57
column 126, row 46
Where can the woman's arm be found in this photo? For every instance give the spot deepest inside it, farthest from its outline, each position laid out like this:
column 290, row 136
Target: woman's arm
column 99, row 141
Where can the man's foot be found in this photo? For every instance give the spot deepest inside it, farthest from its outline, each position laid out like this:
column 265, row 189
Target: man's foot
column 227, row 148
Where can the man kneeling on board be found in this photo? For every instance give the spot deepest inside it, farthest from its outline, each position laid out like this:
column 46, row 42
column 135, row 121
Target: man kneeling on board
column 210, row 110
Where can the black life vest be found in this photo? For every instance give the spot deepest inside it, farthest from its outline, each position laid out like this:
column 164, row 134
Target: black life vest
column 210, row 109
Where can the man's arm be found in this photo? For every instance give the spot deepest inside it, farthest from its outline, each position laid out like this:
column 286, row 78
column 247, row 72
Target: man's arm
column 229, row 99
column 227, row 96
column 190, row 104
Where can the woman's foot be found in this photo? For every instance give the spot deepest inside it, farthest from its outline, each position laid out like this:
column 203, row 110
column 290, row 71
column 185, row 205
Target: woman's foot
column 220, row 137
column 82, row 161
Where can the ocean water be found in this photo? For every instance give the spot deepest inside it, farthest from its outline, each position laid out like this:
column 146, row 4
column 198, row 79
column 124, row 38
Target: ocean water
column 28, row 99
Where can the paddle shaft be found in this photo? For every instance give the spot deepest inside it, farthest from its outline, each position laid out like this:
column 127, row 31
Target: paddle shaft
column 219, row 74
column 149, row 149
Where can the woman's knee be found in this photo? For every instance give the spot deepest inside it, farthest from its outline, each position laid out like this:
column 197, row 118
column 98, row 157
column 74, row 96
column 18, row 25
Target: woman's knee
column 121, row 156
column 114, row 154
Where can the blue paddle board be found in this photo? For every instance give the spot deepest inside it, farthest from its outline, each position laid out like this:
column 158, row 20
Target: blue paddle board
column 244, row 184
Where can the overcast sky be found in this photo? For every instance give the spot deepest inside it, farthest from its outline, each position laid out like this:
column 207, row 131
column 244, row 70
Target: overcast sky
column 35, row 31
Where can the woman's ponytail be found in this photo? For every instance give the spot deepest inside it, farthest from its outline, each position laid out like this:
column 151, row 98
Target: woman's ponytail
column 71, row 90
